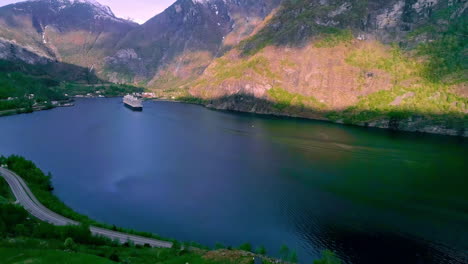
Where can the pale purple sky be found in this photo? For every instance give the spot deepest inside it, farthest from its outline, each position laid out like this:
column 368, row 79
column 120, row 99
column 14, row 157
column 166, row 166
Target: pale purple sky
column 138, row 10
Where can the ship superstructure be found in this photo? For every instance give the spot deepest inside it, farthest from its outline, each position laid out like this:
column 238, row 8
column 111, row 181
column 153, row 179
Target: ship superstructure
column 133, row 103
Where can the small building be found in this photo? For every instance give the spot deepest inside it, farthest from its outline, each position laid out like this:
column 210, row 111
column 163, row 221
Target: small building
column 148, row 95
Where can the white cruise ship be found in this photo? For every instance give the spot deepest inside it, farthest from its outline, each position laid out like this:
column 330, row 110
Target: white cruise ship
column 133, row 103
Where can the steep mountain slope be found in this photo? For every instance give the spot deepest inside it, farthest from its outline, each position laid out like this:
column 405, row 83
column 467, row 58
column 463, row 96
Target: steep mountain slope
column 79, row 32
column 392, row 64
column 176, row 46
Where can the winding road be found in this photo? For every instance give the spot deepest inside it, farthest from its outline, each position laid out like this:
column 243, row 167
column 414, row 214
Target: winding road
column 27, row 199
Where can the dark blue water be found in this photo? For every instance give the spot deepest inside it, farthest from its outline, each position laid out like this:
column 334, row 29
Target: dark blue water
column 193, row 174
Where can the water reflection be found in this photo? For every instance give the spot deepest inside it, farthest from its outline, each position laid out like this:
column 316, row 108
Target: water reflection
column 190, row 173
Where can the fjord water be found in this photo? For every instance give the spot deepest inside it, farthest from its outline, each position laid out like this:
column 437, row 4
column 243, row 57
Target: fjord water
column 193, row 174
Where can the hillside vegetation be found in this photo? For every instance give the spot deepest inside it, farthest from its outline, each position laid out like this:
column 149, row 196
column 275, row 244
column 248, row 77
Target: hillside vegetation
column 25, row 88
column 399, row 65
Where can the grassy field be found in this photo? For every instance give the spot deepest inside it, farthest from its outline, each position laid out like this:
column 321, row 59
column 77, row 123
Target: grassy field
column 29, row 256
column 37, row 251
column 285, row 99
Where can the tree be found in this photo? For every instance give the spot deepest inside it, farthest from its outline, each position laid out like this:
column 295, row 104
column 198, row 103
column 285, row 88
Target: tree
column 261, row 250
column 69, row 244
column 219, row 246
column 246, row 247
column 328, row 257
column 284, row 252
column 114, row 257
column 3, row 230
column 21, row 230
column 176, row 245
column 293, row 257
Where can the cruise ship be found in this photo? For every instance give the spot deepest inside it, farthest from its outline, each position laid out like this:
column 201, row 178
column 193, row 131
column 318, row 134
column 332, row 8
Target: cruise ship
column 133, row 103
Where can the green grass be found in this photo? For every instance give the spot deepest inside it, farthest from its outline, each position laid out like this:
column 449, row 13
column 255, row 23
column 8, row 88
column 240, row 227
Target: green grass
column 30, row 256
column 393, row 61
column 435, row 102
column 284, row 99
column 195, row 259
column 328, row 258
column 190, row 100
column 226, row 70
column 431, row 98
column 447, row 53
column 240, row 69
column 332, row 37
column 17, row 250
column 125, row 255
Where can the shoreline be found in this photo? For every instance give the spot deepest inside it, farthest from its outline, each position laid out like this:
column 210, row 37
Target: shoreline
column 22, row 191
column 65, row 215
column 379, row 124
column 382, row 125
column 26, row 198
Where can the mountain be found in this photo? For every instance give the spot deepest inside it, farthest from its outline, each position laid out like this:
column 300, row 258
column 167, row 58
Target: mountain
column 177, row 45
column 390, row 64
column 78, row 32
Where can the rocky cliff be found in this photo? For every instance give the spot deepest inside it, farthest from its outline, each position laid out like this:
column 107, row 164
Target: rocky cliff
column 390, row 64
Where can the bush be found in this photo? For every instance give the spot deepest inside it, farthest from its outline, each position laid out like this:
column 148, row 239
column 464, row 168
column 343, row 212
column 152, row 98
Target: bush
column 13, row 219
column 284, row 252
column 293, row 257
column 219, row 246
column 114, row 257
column 69, row 244
column 261, row 250
column 176, row 245
column 328, row 258
column 246, row 247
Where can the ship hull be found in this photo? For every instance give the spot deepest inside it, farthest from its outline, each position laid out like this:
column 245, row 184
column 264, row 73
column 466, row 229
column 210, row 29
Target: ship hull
column 134, row 108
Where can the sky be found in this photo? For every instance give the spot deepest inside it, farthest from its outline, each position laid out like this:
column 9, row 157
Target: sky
column 137, row 10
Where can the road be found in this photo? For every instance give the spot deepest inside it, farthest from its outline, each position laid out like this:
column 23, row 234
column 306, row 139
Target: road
column 26, row 198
